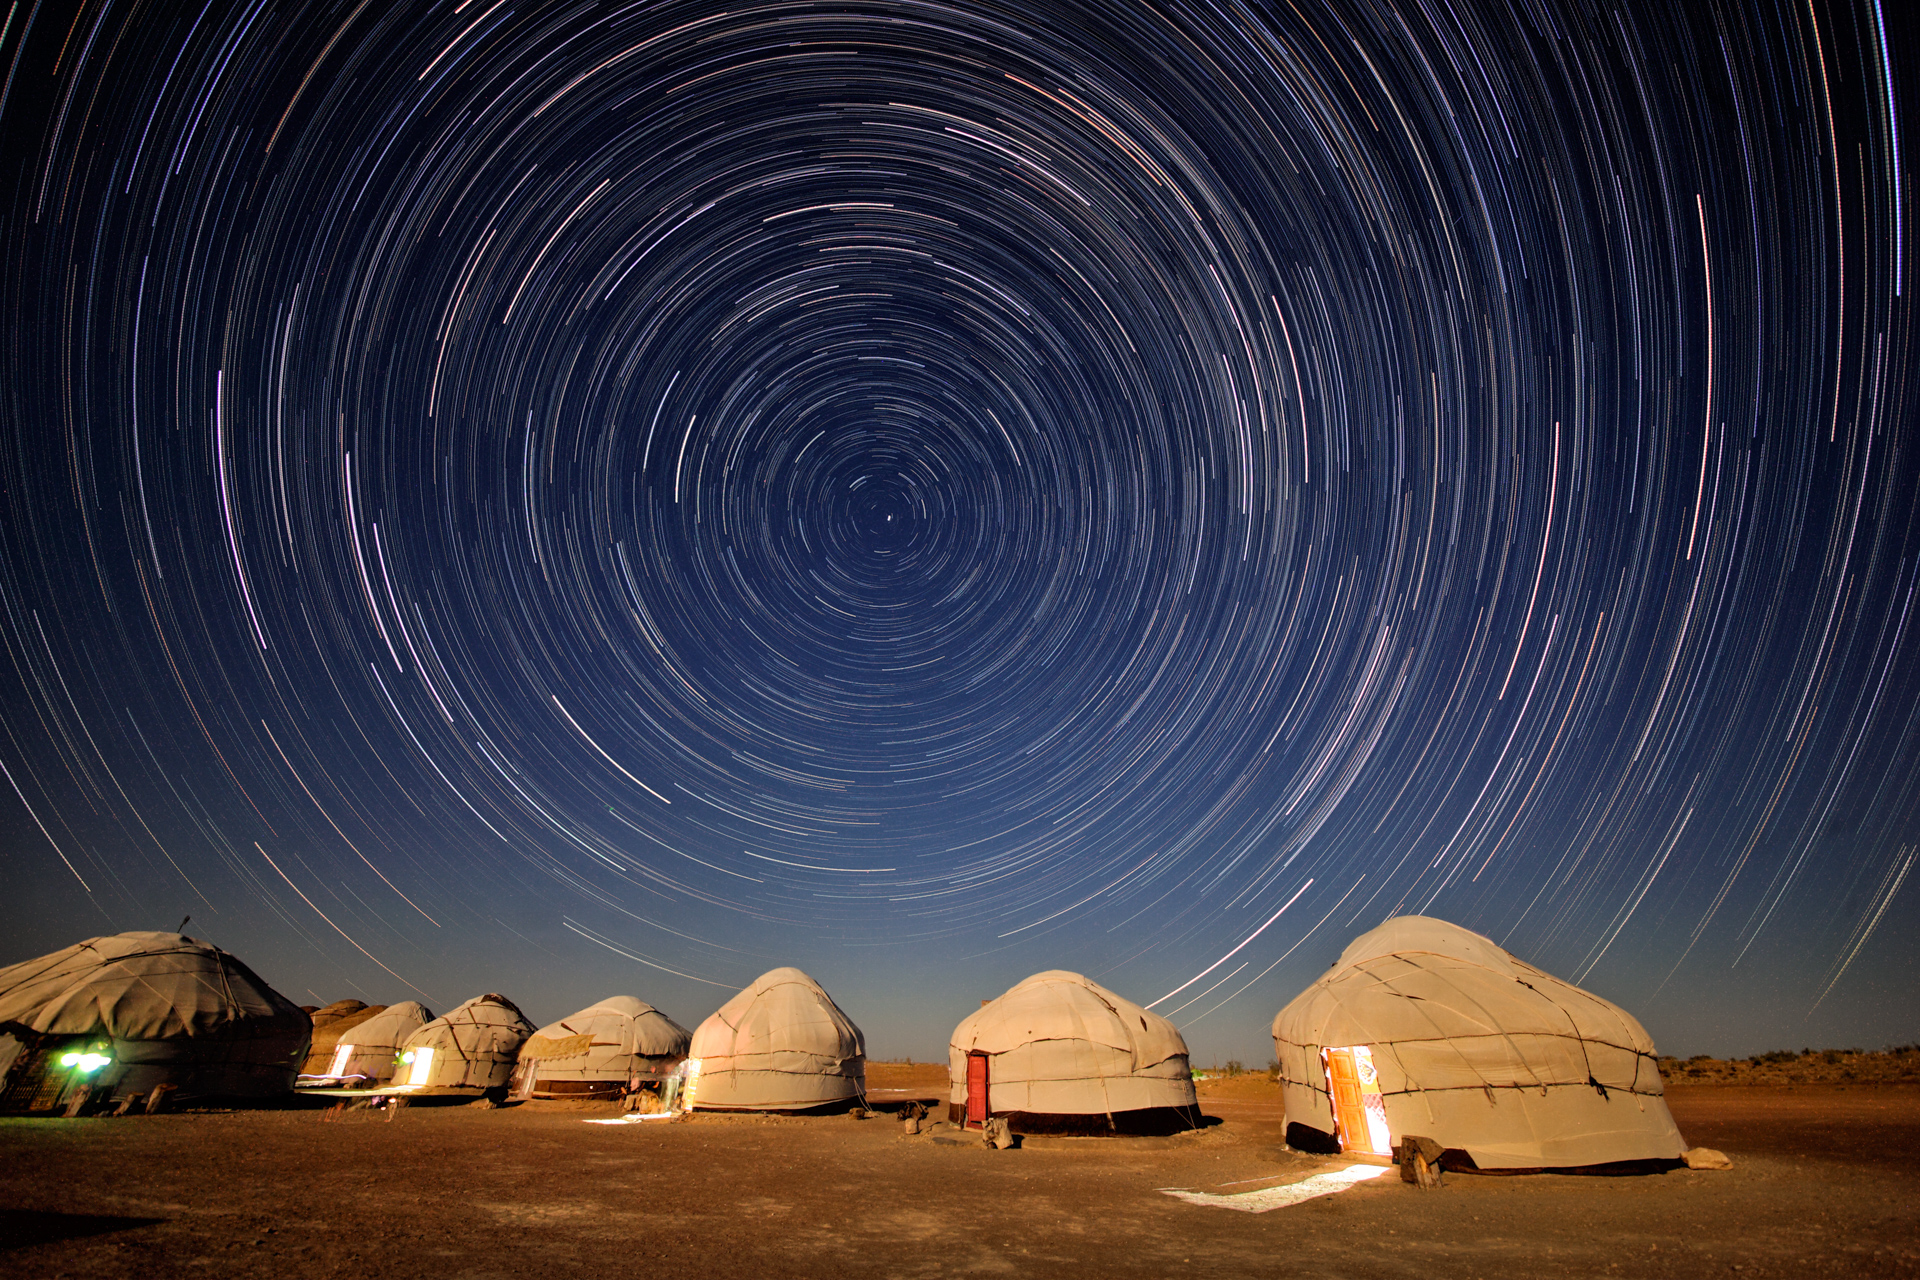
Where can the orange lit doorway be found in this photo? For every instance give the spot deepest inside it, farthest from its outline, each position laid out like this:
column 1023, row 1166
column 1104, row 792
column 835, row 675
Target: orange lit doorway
column 976, row 1090
column 1359, row 1112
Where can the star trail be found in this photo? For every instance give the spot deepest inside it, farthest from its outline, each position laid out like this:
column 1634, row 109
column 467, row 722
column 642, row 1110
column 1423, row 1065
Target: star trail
column 551, row 497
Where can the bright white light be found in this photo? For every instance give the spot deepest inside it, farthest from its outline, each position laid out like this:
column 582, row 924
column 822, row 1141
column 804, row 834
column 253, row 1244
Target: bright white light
column 422, row 1066
column 1269, row 1198
column 85, row 1062
column 690, row 1070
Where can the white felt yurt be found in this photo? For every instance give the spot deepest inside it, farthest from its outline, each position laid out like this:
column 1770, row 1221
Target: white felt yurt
column 1423, row 1028
column 1061, row 1053
column 780, row 1045
column 608, row 1049
column 139, row 1010
column 469, row 1049
column 365, row 1052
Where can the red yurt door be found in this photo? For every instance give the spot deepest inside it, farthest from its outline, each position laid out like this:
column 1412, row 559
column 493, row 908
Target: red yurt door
column 976, row 1090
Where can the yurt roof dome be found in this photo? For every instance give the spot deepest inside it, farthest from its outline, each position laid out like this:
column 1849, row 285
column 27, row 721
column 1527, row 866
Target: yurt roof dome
column 1408, row 935
column 142, row 986
column 1060, row 1005
column 391, row 1025
column 782, row 1008
column 1415, row 977
column 655, row 1035
column 489, row 1010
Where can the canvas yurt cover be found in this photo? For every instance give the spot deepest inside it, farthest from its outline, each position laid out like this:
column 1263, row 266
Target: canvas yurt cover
column 1060, row 1048
column 606, row 1050
column 780, row 1045
column 472, row 1047
column 366, row 1053
column 1426, row 1029
column 137, row 1010
column 329, row 1022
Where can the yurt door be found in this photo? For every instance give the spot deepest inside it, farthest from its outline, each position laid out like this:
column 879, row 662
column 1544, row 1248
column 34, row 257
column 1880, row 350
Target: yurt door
column 976, row 1090
column 1359, row 1112
column 417, row 1066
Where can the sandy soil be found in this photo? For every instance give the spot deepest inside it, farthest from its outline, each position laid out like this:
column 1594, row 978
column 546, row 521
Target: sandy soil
column 1809, row 1066
column 1824, row 1183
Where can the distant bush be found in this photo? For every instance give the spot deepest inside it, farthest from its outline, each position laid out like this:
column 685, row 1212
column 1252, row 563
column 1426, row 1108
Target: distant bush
column 1235, row 1067
column 1273, row 1071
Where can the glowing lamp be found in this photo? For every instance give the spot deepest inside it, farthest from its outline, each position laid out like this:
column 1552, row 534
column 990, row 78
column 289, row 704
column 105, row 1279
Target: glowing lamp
column 85, row 1063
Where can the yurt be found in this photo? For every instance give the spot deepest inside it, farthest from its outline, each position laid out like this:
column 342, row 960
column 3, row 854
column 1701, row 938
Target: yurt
column 1059, row 1053
column 366, row 1053
column 780, row 1045
column 329, row 1022
column 1425, row 1029
column 606, row 1050
column 127, row 1013
column 469, row 1049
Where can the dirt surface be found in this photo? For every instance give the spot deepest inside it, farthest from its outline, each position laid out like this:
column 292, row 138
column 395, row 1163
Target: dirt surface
column 1809, row 1066
column 1824, row 1183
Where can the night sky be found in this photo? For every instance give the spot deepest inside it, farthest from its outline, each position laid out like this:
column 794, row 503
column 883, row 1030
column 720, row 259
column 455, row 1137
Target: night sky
column 577, row 498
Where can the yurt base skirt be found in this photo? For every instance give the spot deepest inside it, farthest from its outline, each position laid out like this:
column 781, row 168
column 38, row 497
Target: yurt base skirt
column 440, row 1094
column 1146, row 1122
column 1314, row 1141
column 46, row 1072
column 836, row 1107
column 576, row 1090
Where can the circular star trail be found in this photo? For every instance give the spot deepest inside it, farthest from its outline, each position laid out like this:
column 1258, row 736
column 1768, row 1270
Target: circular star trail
column 1063, row 482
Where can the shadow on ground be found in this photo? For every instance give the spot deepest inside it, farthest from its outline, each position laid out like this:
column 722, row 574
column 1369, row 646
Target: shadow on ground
column 23, row 1228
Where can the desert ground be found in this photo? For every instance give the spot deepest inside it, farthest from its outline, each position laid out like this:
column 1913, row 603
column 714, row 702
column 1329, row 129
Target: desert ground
column 1824, row 1182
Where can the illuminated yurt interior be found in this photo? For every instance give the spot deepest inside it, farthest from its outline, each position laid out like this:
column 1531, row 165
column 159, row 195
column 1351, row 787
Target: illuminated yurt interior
column 329, row 1022
column 469, row 1049
column 366, row 1053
